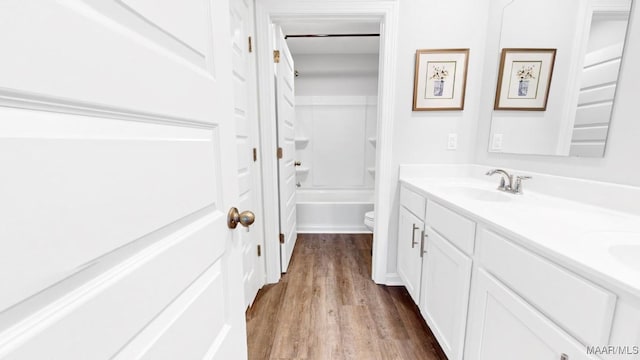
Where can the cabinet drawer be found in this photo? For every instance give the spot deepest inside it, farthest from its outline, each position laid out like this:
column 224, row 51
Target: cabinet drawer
column 459, row 230
column 580, row 307
column 412, row 201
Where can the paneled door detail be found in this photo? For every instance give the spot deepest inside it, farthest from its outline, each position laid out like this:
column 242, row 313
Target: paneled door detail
column 117, row 150
column 247, row 135
column 285, row 101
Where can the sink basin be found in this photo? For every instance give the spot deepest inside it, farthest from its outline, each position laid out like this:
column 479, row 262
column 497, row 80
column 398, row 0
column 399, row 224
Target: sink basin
column 628, row 254
column 480, row 194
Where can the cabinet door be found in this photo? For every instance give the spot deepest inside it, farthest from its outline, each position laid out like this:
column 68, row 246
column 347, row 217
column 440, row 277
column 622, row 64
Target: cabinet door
column 409, row 251
column 505, row 327
column 444, row 299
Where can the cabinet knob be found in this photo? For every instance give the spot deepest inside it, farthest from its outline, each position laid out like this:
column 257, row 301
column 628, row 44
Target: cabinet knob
column 564, row 357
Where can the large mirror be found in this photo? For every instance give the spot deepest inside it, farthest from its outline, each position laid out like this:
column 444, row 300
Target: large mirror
column 589, row 37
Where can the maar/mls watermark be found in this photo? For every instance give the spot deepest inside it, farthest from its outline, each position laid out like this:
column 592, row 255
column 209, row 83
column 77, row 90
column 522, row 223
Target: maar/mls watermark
column 614, row 350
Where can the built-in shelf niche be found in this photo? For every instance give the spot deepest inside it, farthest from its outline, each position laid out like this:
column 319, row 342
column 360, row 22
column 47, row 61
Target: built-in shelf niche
column 302, row 170
column 301, row 142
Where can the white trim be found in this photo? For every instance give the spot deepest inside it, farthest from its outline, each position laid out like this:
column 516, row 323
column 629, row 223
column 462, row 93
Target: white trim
column 255, row 134
column 621, row 7
column 268, row 142
column 385, row 11
column 393, row 279
column 572, row 93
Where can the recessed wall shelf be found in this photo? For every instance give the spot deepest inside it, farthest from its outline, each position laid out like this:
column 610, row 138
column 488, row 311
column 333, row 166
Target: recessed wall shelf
column 301, row 142
column 302, row 170
column 373, row 141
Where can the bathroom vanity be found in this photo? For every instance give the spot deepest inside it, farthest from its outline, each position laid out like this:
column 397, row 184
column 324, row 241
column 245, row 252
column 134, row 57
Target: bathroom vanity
column 538, row 275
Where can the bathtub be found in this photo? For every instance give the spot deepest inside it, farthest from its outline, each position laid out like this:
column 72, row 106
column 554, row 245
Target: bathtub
column 332, row 211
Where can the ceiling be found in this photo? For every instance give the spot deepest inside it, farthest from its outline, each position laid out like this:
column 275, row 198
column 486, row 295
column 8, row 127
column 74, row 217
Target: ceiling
column 332, row 45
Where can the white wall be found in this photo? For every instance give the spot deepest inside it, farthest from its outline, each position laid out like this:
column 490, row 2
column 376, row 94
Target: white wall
column 619, row 164
column 336, row 74
column 421, row 137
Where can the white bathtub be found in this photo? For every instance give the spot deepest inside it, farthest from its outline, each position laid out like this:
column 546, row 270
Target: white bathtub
column 333, row 211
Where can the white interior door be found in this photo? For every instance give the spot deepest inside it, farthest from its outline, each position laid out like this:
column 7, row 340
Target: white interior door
column 118, row 168
column 247, row 135
column 285, row 101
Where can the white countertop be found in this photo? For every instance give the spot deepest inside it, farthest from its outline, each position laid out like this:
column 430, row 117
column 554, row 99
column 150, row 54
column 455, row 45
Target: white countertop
column 573, row 234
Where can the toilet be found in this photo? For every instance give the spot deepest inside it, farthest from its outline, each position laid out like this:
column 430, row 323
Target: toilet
column 368, row 220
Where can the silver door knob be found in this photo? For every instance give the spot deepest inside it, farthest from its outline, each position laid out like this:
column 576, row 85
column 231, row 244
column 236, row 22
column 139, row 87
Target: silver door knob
column 244, row 218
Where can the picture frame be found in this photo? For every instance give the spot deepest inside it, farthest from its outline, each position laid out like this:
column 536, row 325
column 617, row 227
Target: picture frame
column 440, row 79
column 524, row 79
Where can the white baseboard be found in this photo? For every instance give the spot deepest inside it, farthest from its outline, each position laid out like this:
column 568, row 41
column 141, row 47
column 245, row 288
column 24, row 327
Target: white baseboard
column 393, row 279
column 333, row 230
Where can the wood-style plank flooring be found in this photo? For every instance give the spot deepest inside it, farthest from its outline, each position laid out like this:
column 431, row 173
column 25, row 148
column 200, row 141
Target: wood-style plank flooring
column 327, row 307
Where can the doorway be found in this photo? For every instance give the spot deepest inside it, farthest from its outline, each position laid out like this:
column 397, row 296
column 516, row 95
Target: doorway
column 271, row 12
column 336, row 93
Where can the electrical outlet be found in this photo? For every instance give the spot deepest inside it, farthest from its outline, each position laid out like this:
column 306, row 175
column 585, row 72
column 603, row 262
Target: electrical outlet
column 452, row 142
column 496, row 144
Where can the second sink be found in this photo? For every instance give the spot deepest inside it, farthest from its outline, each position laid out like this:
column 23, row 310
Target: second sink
column 628, row 254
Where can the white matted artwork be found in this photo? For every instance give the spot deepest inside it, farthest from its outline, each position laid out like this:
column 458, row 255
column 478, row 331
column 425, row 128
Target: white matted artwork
column 524, row 79
column 440, row 79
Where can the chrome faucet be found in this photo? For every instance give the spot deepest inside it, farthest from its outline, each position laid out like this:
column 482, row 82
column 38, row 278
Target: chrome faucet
column 514, row 188
column 505, row 175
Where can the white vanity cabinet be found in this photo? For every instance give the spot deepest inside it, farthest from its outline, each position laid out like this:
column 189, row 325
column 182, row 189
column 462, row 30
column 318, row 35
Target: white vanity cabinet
column 524, row 304
column 446, row 278
column 410, row 241
column 490, row 293
column 504, row 327
column 436, row 268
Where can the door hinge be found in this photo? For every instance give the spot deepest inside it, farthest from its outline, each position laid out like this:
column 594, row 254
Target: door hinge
column 250, row 45
column 276, row 56
column 281, row 238
column 255, row 154
column 279, row 153
column 259, row 250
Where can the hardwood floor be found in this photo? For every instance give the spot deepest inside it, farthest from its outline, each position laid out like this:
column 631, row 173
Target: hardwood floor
column 327, row 307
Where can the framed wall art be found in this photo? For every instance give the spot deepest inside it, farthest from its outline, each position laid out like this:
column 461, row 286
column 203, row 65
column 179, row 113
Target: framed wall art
column 440, row 79
column 524, row 79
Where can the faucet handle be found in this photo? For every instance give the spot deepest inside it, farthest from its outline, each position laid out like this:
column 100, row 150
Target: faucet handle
column 518, row 186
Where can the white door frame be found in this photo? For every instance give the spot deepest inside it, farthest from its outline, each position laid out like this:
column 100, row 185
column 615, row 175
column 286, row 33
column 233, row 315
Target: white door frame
column 272, row 11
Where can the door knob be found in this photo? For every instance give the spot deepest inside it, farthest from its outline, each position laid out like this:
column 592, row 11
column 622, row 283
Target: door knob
column 244, row 218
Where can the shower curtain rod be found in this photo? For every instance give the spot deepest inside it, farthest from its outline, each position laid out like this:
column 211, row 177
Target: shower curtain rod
column 330, row 35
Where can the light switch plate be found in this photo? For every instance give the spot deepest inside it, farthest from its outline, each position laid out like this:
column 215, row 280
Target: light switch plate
column 496, row 143
column 452, row 142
